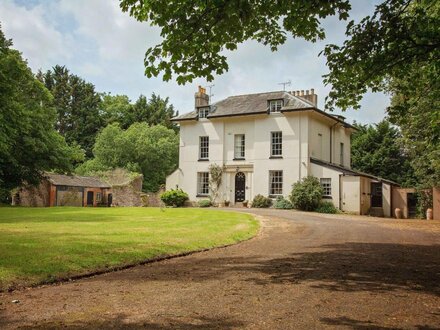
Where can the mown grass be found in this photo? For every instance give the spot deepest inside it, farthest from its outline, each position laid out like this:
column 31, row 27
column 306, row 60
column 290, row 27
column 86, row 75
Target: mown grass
column 39, row 245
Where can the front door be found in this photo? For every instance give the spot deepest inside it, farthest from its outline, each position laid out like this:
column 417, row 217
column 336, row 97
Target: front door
column 376, row 194
column 240, row 187
column 90, row 198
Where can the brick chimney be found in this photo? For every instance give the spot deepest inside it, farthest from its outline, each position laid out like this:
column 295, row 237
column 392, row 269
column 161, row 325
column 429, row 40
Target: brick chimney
column 201, row 98
column 308, row 96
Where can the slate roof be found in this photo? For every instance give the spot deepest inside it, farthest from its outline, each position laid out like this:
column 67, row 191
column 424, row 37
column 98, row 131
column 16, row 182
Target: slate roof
column 75, row 181
column 251, row 104
column 349, row 171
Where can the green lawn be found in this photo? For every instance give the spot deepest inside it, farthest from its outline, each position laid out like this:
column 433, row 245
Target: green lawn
column 44, row 244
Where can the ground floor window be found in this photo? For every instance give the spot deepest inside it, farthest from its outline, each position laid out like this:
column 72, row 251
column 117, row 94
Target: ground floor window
column 203, row 183
column 98, row 197
column 275, row 183
column 326, row 184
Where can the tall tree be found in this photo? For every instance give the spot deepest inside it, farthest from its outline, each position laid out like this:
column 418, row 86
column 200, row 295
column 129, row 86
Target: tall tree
column 117, row 109
column 377, row 149
column 415, row 108
column 29, row 144
column 196, row 31
column 155, row 111
column 150, row 150
column 78, row 107
column 401, row 33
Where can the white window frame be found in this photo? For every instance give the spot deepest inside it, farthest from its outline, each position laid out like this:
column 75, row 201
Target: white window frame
column 204, row 147
column 326, row 184
column 275, row 183
column 239, row 146
column 276, row 144
column 203, row 112
column 98, row 197
column 275, row 105
column 202, row 183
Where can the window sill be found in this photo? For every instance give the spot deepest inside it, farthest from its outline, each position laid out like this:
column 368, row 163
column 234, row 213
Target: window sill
column 327, row 197
column 239, row 159
column 276, row 157
column 275, row 196
column 202, row 195
column 203, row 160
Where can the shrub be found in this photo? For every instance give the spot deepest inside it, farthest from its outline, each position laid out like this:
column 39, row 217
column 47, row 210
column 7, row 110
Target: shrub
column 282, row 203
column 306, row 194
column 205, row 203
column 174, row 197
column 326, row 207
column 261, row 202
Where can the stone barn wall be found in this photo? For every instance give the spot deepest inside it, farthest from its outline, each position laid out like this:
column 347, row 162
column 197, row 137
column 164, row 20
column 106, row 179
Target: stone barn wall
column 35, row 196
column 128, row 194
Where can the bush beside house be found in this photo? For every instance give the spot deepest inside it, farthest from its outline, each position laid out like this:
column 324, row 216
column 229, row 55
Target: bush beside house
column 174, row 197
column 261, row 202
column 306, row 194
column 282, row 203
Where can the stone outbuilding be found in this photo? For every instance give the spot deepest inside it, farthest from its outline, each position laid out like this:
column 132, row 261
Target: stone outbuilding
column 116, row 188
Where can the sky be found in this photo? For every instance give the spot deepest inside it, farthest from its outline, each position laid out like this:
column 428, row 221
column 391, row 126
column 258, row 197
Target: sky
column 97, row 41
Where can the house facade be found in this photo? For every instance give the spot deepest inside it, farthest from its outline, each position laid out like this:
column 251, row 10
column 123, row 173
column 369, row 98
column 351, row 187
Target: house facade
column 266, row 142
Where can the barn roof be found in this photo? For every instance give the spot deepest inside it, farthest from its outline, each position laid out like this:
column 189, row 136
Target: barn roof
column 75, row 181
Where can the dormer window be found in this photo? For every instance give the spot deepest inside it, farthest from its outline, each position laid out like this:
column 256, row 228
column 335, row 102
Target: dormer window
column 203, row 112
column 275, row 105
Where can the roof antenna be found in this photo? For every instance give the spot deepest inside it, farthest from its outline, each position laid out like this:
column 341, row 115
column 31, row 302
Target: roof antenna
column 287, row 83
column 210, row 92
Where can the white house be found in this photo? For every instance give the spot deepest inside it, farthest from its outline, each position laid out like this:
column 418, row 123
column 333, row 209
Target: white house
column 265, row 142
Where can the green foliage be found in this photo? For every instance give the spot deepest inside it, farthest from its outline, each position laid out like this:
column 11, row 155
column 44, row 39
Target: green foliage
column 174, row 197
column 307, row 194
column 153, row 111
column 205, row 203
column 196, row 33
column 377, row 149
column 261, row 202
column 150, row 150
column 327, row 207
column 415, row 109
column 424, row 202
column 116, row 109
column 400, row 34
column 29, row 143
column 77, row 104
column 282, row 203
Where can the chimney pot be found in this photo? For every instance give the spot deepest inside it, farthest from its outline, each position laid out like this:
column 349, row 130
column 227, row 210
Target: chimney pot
column 312, row 91
column 307, row 92
column 302, row 92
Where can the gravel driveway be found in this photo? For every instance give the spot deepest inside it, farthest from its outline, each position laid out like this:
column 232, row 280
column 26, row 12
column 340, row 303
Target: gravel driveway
column 303, row 271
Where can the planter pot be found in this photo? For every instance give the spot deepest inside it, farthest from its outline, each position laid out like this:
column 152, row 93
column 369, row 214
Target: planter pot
column 398, row 213
column 227, row 203
column 429, row 214
column 245, row 204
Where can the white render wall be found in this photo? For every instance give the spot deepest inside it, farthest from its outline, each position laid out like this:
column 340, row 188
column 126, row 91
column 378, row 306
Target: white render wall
column 298, row 130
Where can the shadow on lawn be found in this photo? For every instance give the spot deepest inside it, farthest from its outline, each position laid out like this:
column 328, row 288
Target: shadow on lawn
column 121, row 322
column 348, row 267
column 363, row 325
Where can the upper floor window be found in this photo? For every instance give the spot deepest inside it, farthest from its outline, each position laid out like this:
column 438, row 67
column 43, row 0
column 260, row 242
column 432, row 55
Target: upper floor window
column 204, row 147
column 276, row 148
column 202, row 183
column 341, row 154
column 239, row 146
column 275, row 183
column 275, row 105
column 203, row 112
column 326, row 184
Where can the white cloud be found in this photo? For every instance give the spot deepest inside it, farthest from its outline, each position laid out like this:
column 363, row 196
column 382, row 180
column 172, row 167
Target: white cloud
column 33, row 34
column 96, row 40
